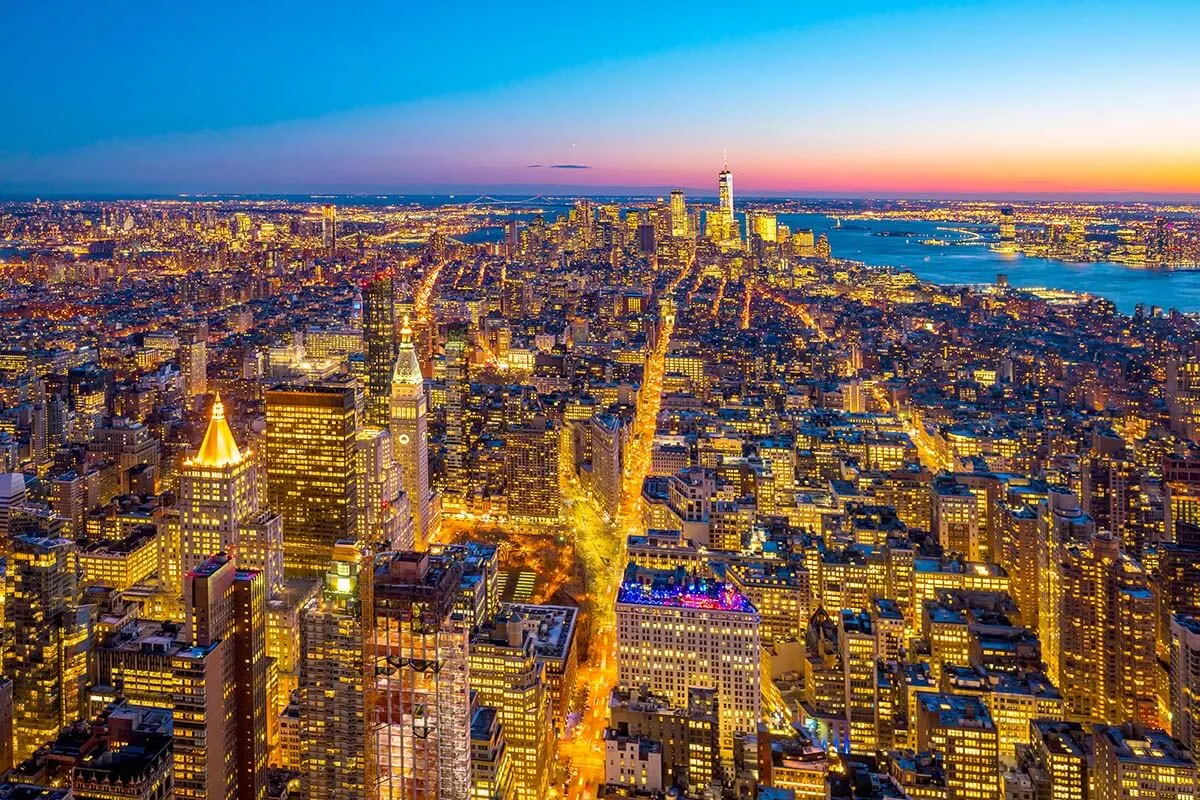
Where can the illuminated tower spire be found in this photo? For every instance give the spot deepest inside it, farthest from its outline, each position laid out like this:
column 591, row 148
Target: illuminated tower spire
column 218, row 448
column 407, row 367
column 725, row 191
column 218, row 494
column 725, row 228
column 410, row 434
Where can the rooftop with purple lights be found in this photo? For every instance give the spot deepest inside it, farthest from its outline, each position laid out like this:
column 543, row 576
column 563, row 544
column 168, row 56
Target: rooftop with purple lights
column 679, row 589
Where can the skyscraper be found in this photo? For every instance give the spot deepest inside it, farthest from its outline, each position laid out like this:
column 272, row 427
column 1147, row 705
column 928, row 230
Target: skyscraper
column 675, row 633
column 49, row 635
column 193, row 360
column 762, row 224
column 531, row 467
column 249, row 633
column 860, row 657
column 332, row 674
column 679, row 215
column 1185, row 681
column 419, row 703
column 1105, row 618
column 605, row 441
column 457, row 387
column 728, row 222
column 12, row 496
column 1183, row 393
column 379, row 344
column 410, row 436
column 507, row 675
column 6, row 724
column 1008, row 230
column 825, row 681
column 329, row 227
column 1110, row 483
column 955, row 516
column 386, row 518
column 1062, row 753
column 1181, row 505
column 725, row 191
column 1160, row 241
column 311, row 472
column 1061, row 524
column 491, row 762
column 961, row 729
column 221, row 684
column 646, row 240
column 201, row 700
column 218, row 489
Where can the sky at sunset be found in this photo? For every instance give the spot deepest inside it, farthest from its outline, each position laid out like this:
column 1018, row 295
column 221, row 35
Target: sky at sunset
column 901, row 98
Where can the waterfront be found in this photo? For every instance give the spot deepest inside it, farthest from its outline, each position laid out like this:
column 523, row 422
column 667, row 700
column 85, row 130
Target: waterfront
column 976, row 262
column 958, row 261
column 960, row 258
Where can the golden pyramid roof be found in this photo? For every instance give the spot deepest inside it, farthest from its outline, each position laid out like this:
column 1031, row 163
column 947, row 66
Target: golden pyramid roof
column 407, row 369
column 218, row 448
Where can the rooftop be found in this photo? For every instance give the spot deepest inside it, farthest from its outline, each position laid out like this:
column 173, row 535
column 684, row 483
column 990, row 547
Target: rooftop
column 553, row 627
column 28, row 791
column 482, row 722
column 956, row 711
column 218, row 448
column 1144, row 745
column 677, row 589
column 1064, row 738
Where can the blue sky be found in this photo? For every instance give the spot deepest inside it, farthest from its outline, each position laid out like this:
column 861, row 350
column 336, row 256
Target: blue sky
column 923, row 98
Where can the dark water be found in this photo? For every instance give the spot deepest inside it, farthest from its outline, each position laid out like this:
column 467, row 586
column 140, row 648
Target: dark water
column 495, row 232
column 978, row 263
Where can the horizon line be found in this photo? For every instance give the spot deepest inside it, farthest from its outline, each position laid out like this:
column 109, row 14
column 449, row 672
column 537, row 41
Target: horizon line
column 576, row 190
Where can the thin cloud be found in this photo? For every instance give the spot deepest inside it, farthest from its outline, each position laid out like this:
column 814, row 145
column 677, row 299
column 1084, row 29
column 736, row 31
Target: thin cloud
column 570, row 166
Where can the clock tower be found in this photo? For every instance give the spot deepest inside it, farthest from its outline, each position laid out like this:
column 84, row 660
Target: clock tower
column 410, row 438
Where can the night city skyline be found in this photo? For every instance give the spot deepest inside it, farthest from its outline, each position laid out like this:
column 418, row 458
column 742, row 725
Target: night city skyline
column 562, row 402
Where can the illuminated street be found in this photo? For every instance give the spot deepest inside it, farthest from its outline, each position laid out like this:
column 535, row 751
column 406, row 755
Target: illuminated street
column 601, row 547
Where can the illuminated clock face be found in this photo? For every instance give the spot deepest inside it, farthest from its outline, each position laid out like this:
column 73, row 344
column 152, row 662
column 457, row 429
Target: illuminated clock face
column 404, row 438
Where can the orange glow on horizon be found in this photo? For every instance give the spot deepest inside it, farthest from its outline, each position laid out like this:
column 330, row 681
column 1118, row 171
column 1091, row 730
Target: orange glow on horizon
column 1106, row 173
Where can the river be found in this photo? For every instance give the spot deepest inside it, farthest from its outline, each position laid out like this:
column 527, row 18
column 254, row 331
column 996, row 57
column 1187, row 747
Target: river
column 978, row 263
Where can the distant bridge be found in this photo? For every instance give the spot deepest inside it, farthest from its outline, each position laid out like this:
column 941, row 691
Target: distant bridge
column 968, row 234
column 488, row 200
